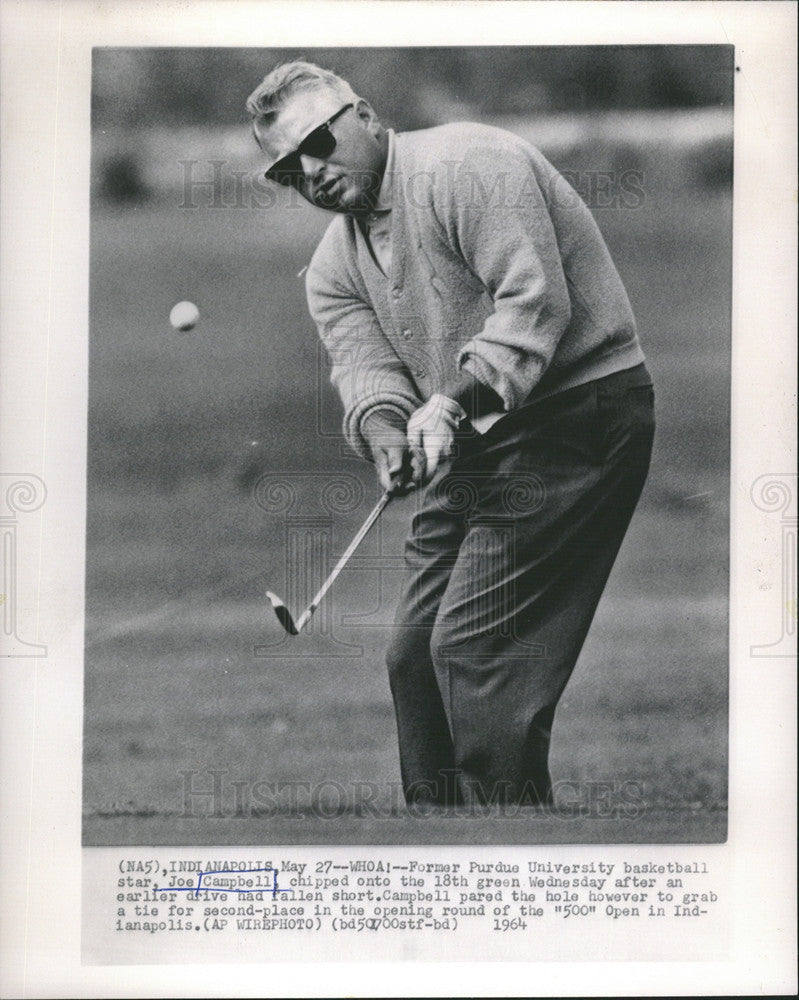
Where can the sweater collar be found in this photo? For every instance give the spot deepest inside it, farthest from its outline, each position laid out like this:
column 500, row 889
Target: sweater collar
column 383, row 203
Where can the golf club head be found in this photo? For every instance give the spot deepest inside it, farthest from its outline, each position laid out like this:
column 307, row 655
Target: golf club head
column 283, row 613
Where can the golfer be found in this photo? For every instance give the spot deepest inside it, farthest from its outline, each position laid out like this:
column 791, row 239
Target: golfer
column 486, row 355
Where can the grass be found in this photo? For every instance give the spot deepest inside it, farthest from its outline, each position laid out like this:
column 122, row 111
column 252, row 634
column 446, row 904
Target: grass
column 187, row 671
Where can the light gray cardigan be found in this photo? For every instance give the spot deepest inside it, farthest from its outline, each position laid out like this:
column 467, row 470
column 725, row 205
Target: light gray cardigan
column 498, row 268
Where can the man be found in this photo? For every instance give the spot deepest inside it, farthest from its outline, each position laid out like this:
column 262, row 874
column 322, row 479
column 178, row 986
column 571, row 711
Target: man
column 486, row 354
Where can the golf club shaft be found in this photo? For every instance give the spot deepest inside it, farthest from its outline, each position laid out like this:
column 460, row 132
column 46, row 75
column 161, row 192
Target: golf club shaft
column 367, row 524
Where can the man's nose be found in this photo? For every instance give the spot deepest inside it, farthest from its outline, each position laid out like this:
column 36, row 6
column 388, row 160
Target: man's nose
column 312, row 166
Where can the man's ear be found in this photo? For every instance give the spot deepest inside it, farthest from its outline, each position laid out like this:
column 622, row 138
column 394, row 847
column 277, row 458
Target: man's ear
column 366, row 113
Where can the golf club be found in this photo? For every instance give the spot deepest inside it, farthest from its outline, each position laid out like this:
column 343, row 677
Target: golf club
column 283, row 613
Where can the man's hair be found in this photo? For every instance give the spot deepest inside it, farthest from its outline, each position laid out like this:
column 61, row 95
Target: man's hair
column 286, row 79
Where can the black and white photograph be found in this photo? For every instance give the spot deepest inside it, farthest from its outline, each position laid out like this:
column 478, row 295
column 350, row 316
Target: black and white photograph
column 398, row 498
column 409, row 395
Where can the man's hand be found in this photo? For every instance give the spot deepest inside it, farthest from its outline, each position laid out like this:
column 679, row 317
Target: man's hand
column 431, row 431
column 398, row 468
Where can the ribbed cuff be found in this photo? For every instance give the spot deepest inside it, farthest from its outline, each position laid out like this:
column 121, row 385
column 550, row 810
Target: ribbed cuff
column 474, row 396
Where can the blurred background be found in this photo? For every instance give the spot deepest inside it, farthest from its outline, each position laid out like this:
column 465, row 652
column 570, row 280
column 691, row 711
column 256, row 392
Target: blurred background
column 185, row 669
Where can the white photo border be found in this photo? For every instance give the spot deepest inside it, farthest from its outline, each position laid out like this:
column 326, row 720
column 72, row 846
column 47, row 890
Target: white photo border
column 46, row 85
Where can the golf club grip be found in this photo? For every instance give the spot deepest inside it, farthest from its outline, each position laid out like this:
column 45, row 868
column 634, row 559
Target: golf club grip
column 344, row 559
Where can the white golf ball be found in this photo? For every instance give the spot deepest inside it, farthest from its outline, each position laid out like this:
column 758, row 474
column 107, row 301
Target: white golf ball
column 184, row 316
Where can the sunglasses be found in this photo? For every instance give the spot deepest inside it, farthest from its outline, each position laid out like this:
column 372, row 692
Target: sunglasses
column 319, row 144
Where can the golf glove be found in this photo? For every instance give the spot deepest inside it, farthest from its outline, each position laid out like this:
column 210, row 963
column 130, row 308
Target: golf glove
column 432, row 428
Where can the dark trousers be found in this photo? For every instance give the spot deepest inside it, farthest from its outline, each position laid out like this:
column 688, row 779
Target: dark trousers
column 508, row 555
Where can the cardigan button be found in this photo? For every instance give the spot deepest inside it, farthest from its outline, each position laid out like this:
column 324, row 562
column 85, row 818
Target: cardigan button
column 407, row 334
column 396, row 291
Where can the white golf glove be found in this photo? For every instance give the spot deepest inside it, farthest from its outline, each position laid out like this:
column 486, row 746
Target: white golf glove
column 431, row 429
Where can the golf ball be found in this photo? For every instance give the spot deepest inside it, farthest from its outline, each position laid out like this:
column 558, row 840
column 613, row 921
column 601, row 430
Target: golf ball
column 184, row 316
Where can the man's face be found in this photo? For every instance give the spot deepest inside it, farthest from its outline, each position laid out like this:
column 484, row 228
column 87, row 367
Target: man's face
column 349, row 178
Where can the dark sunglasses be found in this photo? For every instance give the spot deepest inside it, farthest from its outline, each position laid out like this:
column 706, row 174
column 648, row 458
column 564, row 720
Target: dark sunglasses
column 319, row 143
